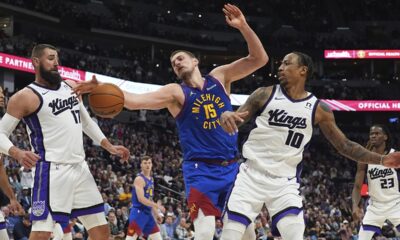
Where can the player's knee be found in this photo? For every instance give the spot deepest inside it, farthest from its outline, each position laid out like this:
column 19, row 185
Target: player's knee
column 202, row 226
column 292, row 227
column 250, row 232
column 39, row 235
column 99, row 232
column 232, row 230
column 134, row 237
column 155, row 236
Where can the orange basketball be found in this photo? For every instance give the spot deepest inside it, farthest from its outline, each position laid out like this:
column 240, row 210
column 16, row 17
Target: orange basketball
column 106, row 100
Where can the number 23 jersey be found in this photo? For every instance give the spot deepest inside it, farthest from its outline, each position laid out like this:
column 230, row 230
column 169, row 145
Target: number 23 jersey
column 283, row 128
column 383, row 183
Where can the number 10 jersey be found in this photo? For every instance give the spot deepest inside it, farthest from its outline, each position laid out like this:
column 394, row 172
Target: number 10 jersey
column 283, row 128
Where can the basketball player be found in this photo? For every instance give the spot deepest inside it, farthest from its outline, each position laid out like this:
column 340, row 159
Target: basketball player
column 55, row 119
column 14, row 205
column 209, row 154
column 383, row 187
column 141, row 220
column 285, row 115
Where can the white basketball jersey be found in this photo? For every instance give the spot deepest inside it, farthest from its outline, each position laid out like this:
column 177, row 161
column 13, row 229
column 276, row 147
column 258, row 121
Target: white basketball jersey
column 383, row 183
column 284, row 127
column 55, row 129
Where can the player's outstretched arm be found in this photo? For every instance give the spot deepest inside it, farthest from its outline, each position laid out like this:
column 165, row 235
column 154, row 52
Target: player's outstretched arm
column 244, row 66
column 164, row 97
column 356, row 194
column 326, row 121
column 231, row 121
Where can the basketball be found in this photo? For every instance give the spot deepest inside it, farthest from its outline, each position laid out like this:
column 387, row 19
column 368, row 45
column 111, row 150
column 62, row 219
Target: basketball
column 106, row 100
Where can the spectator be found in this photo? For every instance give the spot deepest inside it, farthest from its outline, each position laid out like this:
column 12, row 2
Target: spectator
column 116, row 230
column 22, row 229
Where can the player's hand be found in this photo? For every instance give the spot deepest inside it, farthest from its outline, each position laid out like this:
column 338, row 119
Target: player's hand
column 27, row 159
column 233, row 16
column 392, row 160
column 357, row 214
column 15, row 207
column 85, row 87
column 229, row 121
column 120, row 151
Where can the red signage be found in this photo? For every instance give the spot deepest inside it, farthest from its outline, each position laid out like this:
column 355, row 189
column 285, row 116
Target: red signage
column 361, row 54
column 365, row 105
column 25, row 64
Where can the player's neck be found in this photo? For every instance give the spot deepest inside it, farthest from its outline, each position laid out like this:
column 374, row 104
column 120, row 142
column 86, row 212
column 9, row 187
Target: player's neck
column 380, row 149
column 146, row 174
column 46, row 84
column 195, row 80
column 295, row 91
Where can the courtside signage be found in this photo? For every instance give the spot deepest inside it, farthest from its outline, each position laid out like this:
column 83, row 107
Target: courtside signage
column 361, row 54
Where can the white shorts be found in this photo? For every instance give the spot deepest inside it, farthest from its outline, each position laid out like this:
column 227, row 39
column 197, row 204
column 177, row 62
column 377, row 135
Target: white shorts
column 64, row 191
column 378, row 212
column 2, row 221
column 253, row 188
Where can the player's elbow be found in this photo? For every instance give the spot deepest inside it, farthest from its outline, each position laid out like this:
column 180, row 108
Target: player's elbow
column 260, row 60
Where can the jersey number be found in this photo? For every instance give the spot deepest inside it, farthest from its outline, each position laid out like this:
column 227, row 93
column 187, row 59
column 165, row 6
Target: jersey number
column 77, row 116
column 294, row 139
column 387, row 183
column 210, row 111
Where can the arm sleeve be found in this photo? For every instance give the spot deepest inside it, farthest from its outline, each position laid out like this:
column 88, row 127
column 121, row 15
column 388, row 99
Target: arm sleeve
column 7, row 125
column 90, row 128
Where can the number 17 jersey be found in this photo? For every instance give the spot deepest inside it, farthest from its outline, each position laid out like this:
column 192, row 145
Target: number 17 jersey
column 283, row 128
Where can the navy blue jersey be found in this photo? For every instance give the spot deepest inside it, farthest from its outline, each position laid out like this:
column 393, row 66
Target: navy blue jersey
column 148, row 193
column 200, row 131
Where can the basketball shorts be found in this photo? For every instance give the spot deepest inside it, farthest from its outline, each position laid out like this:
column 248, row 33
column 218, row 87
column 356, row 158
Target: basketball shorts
column 207, row 186
column 141, row 222
column 64, row 191
column 378, row 212
column 253, row 188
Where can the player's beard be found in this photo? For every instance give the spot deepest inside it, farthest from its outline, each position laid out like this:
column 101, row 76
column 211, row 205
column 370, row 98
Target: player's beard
column 51, row 77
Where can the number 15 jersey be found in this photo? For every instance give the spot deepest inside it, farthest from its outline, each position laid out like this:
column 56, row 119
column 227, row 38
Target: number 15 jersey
column 283, row 128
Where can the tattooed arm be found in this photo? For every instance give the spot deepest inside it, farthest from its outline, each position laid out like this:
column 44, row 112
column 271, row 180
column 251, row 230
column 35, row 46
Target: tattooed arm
column 230, row 121
column 326, row 121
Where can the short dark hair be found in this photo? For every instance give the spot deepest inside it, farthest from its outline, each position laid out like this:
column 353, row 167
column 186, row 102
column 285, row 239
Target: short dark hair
column 305, row 60
column 144, row 158
column 37, row 50
column 185, row 51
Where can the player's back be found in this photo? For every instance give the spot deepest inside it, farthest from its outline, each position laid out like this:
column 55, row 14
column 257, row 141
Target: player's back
column 55, row 129
column 148, row 190
column 383, row 183
column 284, row 128
column 200, row 132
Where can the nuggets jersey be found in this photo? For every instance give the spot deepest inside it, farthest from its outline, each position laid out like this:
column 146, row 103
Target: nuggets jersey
column 148, row 193
column 383, row 183
column 200, row 132
column 55, row 129
column 284, row 127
